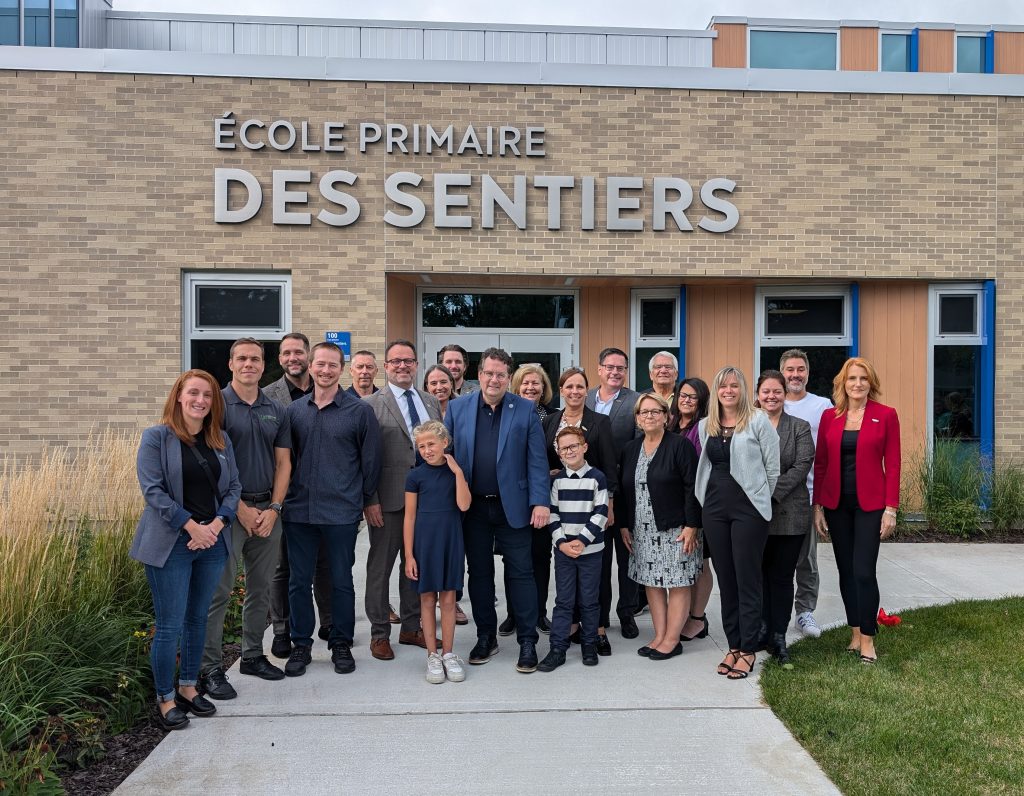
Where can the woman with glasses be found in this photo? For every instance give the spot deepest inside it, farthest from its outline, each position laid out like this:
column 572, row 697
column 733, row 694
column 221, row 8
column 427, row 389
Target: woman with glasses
column 660, row 516
column 597, row 431
column 736, row 474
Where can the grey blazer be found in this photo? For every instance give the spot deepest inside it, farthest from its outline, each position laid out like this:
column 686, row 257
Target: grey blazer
column 398, row 453
column 622, row 421
column 753, row 462
column 158, row 466
column 279, row 391
column 791, row 502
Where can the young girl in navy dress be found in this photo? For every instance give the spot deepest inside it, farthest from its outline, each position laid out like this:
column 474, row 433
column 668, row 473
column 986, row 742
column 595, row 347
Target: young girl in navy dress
column 436, row 494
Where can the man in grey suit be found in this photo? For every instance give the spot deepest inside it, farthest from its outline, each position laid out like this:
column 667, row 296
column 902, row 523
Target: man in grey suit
column 616, row 401
column 296, row 382
column 399, row 408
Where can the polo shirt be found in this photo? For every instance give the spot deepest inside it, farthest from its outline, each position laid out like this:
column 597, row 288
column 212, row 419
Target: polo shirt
column 255, row 430
column 485, row 450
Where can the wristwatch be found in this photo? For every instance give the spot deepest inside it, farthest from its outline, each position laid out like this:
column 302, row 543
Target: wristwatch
column 224, row 520
column 276, row 507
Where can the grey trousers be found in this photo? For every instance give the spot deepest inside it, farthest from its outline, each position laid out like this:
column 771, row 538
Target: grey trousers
column 386, row 544
column 259, row 559
column 321, row 590
column 807, row 574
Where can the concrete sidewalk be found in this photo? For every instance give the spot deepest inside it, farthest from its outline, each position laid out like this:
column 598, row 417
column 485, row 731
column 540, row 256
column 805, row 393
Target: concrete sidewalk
column 625, row 726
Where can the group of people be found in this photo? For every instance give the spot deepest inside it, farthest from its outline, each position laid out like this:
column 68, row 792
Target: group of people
column 659, row 484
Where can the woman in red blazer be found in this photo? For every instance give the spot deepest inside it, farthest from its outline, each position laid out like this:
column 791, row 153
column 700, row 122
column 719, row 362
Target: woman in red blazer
column 857, row 491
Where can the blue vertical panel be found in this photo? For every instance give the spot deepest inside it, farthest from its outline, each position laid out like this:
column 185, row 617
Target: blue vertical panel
column 914, row 52
column 988, row 374
column 682, row 331
column 855, row 320
column 990, row 52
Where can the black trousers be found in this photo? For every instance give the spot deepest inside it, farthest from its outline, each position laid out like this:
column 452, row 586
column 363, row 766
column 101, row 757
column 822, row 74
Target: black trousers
column 855, row 541
column 737, row 534
column 576, row 591
column 629, row 591
column 540, row 552
column 781, row 554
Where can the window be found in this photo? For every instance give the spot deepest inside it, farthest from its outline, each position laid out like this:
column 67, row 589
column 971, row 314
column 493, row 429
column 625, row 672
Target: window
column 785, row 49
column 970, row 54
column 957, row 342
column 816, row 320
column 65, row 23
column 499, row 310
column 895, row 52
column 9, row 22
column 655, row 322
column 221, row 307
column 37, row 23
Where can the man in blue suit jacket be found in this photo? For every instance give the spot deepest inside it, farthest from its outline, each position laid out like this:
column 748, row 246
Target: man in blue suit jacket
column 499, row 444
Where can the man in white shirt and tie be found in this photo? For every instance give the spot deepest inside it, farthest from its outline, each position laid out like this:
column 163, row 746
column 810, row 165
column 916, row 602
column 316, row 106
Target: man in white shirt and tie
column 399, row 408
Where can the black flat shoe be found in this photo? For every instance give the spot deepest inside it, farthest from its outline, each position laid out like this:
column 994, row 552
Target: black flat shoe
column 199, row 706
column 282, row 645
column 543, row 625
column 702, row 634
column 628, row 626
column 644, row 651
column 604, row 646
column 508, row 627
column 658, row 655
column 174, row 719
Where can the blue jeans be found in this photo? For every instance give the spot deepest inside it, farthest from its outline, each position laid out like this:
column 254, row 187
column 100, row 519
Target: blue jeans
column 303, row 541
column 182, row 590
column 484, row 524
column 577, row 590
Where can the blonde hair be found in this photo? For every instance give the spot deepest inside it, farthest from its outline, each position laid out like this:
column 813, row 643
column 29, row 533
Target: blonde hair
column 651, row 396
column 435, row 427
column 538, row 371
column 839, row 396
column 745, row 410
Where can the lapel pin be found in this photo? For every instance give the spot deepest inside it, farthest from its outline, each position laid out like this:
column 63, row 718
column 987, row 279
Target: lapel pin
column 874, row 420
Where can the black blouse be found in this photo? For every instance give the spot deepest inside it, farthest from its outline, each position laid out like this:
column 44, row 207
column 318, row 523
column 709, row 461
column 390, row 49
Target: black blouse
column 199, row 498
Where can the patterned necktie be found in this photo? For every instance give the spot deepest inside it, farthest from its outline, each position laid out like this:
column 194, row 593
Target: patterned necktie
column 414, row 420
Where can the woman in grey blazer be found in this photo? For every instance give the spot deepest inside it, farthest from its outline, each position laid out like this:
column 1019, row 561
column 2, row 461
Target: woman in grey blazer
column 791, row 511
column 736, row 474
column 186, row 469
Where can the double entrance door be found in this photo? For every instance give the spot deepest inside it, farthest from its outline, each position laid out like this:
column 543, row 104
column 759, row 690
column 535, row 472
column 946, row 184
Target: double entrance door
column 552, row 350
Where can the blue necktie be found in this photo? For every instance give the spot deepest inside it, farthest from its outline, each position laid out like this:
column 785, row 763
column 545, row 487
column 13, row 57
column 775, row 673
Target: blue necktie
column 414, row 420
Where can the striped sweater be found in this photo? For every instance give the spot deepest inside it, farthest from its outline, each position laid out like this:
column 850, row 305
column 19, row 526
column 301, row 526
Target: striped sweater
column 579, row 507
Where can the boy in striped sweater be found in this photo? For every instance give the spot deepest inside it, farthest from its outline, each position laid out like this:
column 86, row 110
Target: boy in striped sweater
column 579, row 512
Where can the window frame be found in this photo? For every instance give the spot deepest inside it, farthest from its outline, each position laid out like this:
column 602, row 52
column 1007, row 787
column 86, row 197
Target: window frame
column 893, row 32
column 782, row 29
column 636, row 340
column 193, row 279
column 969, row 34
column 763, row 340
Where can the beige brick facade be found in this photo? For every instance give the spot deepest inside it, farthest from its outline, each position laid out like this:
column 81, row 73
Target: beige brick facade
column 107, row 198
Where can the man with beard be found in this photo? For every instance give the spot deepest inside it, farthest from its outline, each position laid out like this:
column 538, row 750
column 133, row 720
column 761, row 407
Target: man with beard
column 294, row 384
column 455, row 358
column 364, row 371
column 807, row 406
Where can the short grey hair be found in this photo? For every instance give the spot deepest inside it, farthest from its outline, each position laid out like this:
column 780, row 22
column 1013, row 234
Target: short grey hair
column 669, row 354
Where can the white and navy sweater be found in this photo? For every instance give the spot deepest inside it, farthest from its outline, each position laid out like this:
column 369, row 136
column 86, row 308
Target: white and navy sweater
column 579, row 507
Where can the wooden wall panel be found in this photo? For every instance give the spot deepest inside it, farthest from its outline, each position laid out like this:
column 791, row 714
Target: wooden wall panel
column 604, row 322
column 730, row 47
column 894, row 337
column 859, row 49
column 1009, row 53
column 400, row 310
column 935, row 52
column 719, row 329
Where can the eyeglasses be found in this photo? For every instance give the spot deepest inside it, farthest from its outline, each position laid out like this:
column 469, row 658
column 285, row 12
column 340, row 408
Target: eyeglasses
column 650, row 412
column 615, row 368
column 572, row 448
column 487, row 375
column 396, row 362
column 685, row 397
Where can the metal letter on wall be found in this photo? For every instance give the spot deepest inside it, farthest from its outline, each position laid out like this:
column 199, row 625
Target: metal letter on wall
column 222, row 178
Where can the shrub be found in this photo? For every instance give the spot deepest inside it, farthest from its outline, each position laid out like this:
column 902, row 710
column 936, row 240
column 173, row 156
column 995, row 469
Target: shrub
column 71, row 662
column 1006, row 497
column 952, row 485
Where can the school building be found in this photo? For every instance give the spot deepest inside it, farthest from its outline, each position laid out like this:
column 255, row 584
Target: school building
column 171, row 182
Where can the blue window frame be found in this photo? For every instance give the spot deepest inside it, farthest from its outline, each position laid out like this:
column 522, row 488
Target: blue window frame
column 895, row 52
column 786, row 49
column 37, row 23
column 970, row 54
column 65, row 23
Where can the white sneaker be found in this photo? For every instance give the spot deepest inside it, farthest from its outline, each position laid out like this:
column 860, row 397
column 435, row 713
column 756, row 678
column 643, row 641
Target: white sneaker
column 807, row 625
column 453, row 667
column 435, row 669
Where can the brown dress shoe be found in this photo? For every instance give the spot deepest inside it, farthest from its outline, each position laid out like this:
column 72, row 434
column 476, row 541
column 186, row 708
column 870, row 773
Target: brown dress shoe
column 393, row 617
column 380, row 648
column 415, row 639
column 460, row 615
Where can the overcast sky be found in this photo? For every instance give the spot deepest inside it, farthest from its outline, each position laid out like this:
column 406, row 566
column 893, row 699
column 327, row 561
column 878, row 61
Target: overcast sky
column 605, row 13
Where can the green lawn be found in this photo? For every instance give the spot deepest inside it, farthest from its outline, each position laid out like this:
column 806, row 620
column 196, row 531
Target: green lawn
column 942, row 712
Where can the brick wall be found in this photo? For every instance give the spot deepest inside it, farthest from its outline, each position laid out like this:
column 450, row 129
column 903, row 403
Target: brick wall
column 107, row 196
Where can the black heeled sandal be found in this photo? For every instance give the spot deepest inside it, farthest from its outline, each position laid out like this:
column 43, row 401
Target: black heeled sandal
column 725, row 667
column 740, row 674
column 703, row 632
